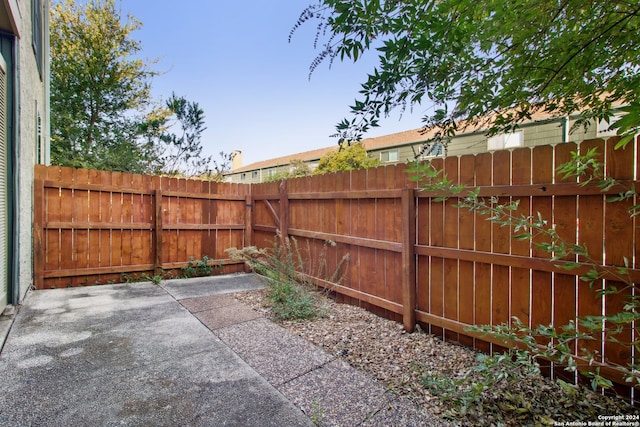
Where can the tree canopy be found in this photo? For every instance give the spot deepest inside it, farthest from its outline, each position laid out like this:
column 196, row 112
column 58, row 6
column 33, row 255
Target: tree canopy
column 297, row 168
column 99, row 89
column 350, row 156
column 102, row 113
column 182, row 153
column 494, row 60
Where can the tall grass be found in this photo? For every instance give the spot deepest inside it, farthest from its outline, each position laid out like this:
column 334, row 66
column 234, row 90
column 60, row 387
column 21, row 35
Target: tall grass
column 288, row 271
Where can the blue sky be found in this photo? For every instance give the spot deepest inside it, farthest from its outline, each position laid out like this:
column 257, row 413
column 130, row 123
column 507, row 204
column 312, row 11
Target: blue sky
column 233, row 58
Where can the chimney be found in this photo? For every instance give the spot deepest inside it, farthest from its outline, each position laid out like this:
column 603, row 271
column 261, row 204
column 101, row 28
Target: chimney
column 236, row 159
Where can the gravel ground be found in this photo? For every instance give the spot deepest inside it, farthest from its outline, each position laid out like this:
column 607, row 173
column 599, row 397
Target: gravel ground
column 401, row 360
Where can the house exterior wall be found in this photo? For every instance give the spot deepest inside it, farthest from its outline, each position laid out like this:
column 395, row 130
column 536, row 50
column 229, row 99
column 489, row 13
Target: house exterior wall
column 533, row 134
column 30, row 133
column 33, row 142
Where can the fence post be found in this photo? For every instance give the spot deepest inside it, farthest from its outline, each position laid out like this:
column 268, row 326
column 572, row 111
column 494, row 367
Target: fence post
column 284, row 210
column 38, row 227
column 157, row 233
column 408, row 259
column 248, row 223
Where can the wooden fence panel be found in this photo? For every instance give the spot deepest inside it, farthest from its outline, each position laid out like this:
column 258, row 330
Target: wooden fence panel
column 97, row 227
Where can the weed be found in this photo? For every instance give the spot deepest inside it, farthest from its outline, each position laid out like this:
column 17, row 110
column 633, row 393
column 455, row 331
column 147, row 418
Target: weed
column 290, row 280
column 197, row 268
column 137, row 278
column 316, row 414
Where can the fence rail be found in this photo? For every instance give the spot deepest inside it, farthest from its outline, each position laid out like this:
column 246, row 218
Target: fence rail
column 413, row 257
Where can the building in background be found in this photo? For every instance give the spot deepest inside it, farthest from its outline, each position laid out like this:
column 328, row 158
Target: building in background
column 24, row 135
column 415, row 144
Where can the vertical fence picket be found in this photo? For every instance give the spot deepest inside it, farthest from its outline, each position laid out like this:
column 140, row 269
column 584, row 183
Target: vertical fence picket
column 394, row 223
column 206, row 241
column 482, row 241
column 127, row 219
column 423, row 225
column 408, row 259
column 501, row 244
column 116, row 218
column 520, row 277
column 52, row 236
column 466, row 227
column 436, row 267
column 94, row 218
column 67, row 243
column 328, row 206
column 137, row 212
column 343, row 226
column 590, row 231
column 565, row 222
column 80, row 209
column 357, row 269
column 618, row 249
column 39, row 237
column 147, row 217
column 378, row 222
column 215, row 206
column 541, row 281
column 158, row 232
column 451, row 292
column 105, row 235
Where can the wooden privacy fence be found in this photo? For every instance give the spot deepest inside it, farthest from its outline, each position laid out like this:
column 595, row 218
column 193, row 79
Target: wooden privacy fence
column 93, row 227
column 412, row 258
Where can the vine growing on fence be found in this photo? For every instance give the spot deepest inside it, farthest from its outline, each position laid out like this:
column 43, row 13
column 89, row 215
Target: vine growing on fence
column 565, row 343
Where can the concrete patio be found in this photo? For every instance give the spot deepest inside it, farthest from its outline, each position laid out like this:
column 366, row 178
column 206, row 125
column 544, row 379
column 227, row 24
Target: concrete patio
column 180, row 353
